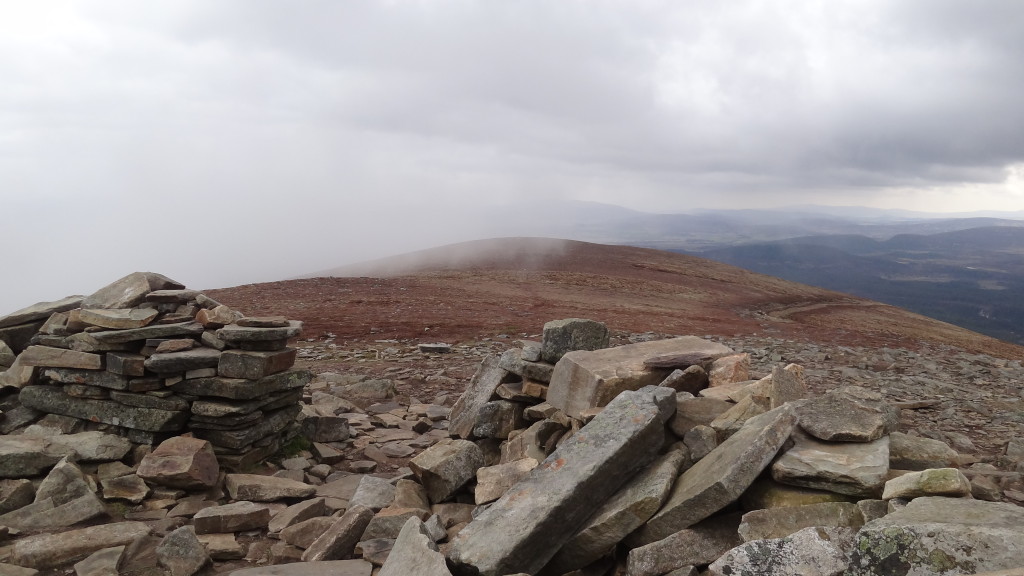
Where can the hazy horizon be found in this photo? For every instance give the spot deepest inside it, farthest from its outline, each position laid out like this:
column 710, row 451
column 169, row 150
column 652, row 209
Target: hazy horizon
column 230, row 142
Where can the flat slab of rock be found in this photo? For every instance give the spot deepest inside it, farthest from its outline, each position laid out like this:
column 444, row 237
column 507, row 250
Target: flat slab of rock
column 918, row 453
column 243, row 389
column 857, row 469
column 328, row 568
column 95, row 446
column 590, row 379
column 810, row 552
column 234, row 517
column 181, row 462
column 631, row 506
column 54, row 401
column 257, row 488
column 934, row 482
column 936, row 535
column 129, row 291
column 702, row 543
column 481, row 387
column 848, row 414
column 493, row 481
column 60, row 358
column 147, row 332
column 781, row 522
column 40, row 311
column 172, row 362
column 26, row 456
column 118, row 318
column 722, row 476
column 524, row 529
column 52, row 550
column 255, row 365
column 340, row 539
column 233, row 333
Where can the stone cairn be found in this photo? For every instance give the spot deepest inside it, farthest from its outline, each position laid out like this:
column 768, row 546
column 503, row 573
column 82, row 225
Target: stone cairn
column 147, row 359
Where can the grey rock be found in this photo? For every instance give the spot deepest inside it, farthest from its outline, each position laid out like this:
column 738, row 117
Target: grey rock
column 464, row 413
column 101, row 562
column 170, row 403
column 414, row 553
column 52, row 550
column 64, row 483
column 848, row 414
column 129, row 291
column 235, row 334
column 701, row 543
column 242, row 389
column 562, row 336
column 934, row 482
column 181, row 462
column 40, row 311
column 257, row 488
column 130, row 488
column 812, row 551
column 722, row 476
column 95, row 446
column 60, row 358
column 118, row 318
column 917, row 453
column 781, row 522
column 18, row 375
column 181, row 553
column 44, row 515
column 87, row 377
column 302, row 534
column 447, row 466
column 389, row 522
column 296, row 513
column 524, row 529
column 51, row 400
column 340, row 539
column 7, row 356
column 512, row 361
column 330, row 568
column 173, row 362
column 245, row 437
column 787, row 385
column 493, row 481
column 147, row 332
column 498, row 418
column 730, row 421
column 699, row 411
column 15, row 493
column 584, row 380
column 22, row 456
column 700, row 440
column 234, row 517
column 693, row 379
column 629, row 509
column 255, row 365
column 535, row 442
column 410, row 494
column 936, row 535
column 374, row 493
column 857, row 469
column 20, row 337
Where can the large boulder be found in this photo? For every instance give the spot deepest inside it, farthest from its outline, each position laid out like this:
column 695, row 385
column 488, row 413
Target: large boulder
column 857, row 469
column 849, row 414
column 937, row 535
column 722, row 476
column 524, row 529
column 447, row 466
column 591, row 379
column 562, row 336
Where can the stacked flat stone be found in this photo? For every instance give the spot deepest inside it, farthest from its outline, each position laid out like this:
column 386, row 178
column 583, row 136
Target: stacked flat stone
column 146, row 358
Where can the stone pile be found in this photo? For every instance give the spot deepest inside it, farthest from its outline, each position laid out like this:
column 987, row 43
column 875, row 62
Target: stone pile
column 147, row 359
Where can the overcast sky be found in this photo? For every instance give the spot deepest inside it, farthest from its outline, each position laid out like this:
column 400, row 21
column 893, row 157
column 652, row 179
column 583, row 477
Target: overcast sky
column 225, row 142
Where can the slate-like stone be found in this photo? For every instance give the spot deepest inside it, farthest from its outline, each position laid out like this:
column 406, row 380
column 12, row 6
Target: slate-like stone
column 493, row 481
column 447, row 466
column 255, row 365
column 787, row 385
column 702, row 543
column 296, row 513
column 118, row 318
column 52, row 550
column 256, row 488
column 26, row 456
column 722, row 476
column 917, row 453
column 767, row 493
column 19, row 337
column 629, row 509
column 389, row 522
column 481, row 388
column 126, row 364
column 173, row 362
column 414, row 553
column 130, row 488
column 523, row 530
column 512, row 361
column 39, row 311
column 781, row 522
column 590, row 379
column 15, row 493
column 129, row 291
column 340, row 539
column 233, row 333
column 374, row 493
column 934, row 482
column 234, row 517
column 222, row 546
column 181, row 462
column 562, row 336
column 181, row 553
column 60, row 358
column 48, row 399
column 170, row 402
column 302, row 534
column 87, row 377
column 242, row 389
column 95, row 446
column 857, row 469
column 691, row 380
column 848, row 414
column 272, row 423
column 812, row 551
column 498, row 418
column 147, row 332
column 937, row 535
column 729, row 369
column 100, row 563
column 329, row 568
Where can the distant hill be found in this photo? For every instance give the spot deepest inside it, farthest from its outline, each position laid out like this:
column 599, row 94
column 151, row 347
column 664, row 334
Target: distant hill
column 515, row 285
column 973, row 278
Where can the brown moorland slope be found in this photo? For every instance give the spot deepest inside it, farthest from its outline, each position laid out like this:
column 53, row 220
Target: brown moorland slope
column 515, row 285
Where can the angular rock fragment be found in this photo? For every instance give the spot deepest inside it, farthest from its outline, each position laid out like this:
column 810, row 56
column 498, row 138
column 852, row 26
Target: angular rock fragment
column 118, row 318
column 481, row 388
column 917, row 453
column 181, row 462
column 52, row 550
column 194, row 359
column 296, row 513
column 414, row 553
column 493, row 481
column 40, row 311
column 702, row 543
column 257, row 488
column 812, row 551
column 848, row 414
column 498, row 418
column 523, row 530
column 722, row 476
column 22, row 456
column 129, row 291
column 234, row 517
column 856, row 469
column 934, row 482
column 53, row 401
column 255, row 365
column 591, row 379
column 562, row 336
column 937, row 535
column 729, row 369
column 373, row 493
column 60, row 358
column 181, row 553
column 781, row 522
column 447, row 466
column 340, row 539
column 389, row 522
